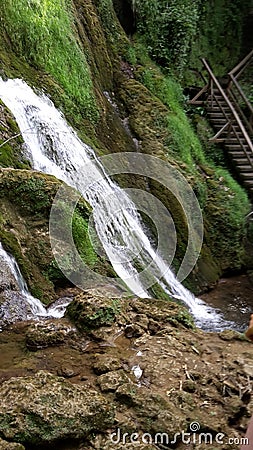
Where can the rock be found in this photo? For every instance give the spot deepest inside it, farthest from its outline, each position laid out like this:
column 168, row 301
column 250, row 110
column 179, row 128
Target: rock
column 133, row 330
column 46, row 408
column 4, row 445
column 67, row 372
column 7, row 278
column 112, row 380
column 91, row 312
column 230, row 335
column 106, row 363
column 13, row 308
column 44, row 334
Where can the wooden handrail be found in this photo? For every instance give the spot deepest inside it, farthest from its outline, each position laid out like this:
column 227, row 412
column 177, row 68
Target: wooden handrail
column 231, row 107
column 242, row 65
column 239, row 89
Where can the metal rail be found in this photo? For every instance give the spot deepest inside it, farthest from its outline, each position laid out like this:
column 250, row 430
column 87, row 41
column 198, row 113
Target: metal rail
column 234, row 113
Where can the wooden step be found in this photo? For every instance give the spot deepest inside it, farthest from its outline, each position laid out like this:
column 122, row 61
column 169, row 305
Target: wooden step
column 239, row 154
column 219, row 122
column 248, row 183
column 241, row 161
column 216, row 115
column 234, row 140
column 246, row 176
column 216, row 108
column 245, row 168
column 235, row 147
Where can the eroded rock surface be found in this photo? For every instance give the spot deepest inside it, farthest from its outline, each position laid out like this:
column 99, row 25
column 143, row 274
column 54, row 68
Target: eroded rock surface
column 45, row 408
column 160, row 380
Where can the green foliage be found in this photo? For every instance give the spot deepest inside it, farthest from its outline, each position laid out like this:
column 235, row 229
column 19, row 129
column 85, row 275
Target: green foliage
column 168, row 27
column 41, row 32
column 225, row 213
column 82, row 239
column 178, row 32
column 182, row 140
column 219, row 36
column 114, row 32
column 32, row 195
column 104, row 316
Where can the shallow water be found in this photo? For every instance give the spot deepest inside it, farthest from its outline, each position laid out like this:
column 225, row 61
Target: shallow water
column 234, row 298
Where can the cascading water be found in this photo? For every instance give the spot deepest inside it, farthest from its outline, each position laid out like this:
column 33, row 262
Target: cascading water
column 54, row 148
column 34, row 308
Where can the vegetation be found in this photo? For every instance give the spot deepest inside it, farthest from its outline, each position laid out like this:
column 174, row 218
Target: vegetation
column 223, row 201
column 178, row 32
column 42, row 33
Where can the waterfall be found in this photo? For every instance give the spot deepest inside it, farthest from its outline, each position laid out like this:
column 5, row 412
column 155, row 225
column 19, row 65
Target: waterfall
column 54, row 148
column 34, row 308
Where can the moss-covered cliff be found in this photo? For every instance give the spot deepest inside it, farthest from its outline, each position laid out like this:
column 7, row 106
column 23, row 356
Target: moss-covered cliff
column 119, row 100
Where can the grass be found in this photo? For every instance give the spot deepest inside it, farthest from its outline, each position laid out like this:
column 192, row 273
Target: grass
column 42, row 33
column 183, row 140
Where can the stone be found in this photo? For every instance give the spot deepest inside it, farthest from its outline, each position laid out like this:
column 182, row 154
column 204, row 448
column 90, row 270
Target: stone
column 7, row 278
column 91, row 312
column 45, row 408
column 13, row 308
column 106, row 363
column 49, row 333
column 112, row 380
column 4, row 445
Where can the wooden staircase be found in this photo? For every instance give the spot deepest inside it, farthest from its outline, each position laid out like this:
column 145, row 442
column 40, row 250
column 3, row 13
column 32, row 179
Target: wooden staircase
column 231, row 115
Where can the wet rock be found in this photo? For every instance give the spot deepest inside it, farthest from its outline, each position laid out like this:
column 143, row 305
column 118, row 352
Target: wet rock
column 50, row 333
column 7, row 278
column 160, row 315
column 13, row 308
column 126, row 393
column 46, row 408
column 67, row 372
column 91, row 312
column 112, row 380
column 230, row 335
column 133, row 330
column 4, row 445
column 106, row 363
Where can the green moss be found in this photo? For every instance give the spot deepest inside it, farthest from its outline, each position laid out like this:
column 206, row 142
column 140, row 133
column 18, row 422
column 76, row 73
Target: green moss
column 93, row 313
column 225, row 214
column 41, row 32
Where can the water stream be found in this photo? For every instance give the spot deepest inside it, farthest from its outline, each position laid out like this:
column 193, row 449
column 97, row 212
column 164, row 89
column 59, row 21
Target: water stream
column 18, row 287
column 54, row 148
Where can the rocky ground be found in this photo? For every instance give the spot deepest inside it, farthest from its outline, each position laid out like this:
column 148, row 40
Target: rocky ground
column 123, row 366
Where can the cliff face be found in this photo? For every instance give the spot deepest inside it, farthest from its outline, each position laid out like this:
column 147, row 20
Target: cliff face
column 114, row 365
column 120, row 101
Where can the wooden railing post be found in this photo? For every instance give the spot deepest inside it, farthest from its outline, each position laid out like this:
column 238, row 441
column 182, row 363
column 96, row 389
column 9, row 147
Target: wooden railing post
column 235, row 115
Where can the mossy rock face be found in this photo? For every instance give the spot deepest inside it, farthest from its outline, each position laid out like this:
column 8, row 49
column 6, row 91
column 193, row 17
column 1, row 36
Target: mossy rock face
column 91, row 312
column 132, row 99
column 11, row 142
column 45, row 408
column 26, row 199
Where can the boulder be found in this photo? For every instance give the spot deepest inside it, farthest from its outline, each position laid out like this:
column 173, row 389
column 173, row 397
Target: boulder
column 92, row 311
column 46, row 408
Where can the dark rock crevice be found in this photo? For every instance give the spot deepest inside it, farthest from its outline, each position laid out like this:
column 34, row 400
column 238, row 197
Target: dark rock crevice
column 126, row 15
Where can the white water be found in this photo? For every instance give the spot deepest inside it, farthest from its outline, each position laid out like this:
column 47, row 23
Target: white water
column 54, row 148
column 37, row 309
